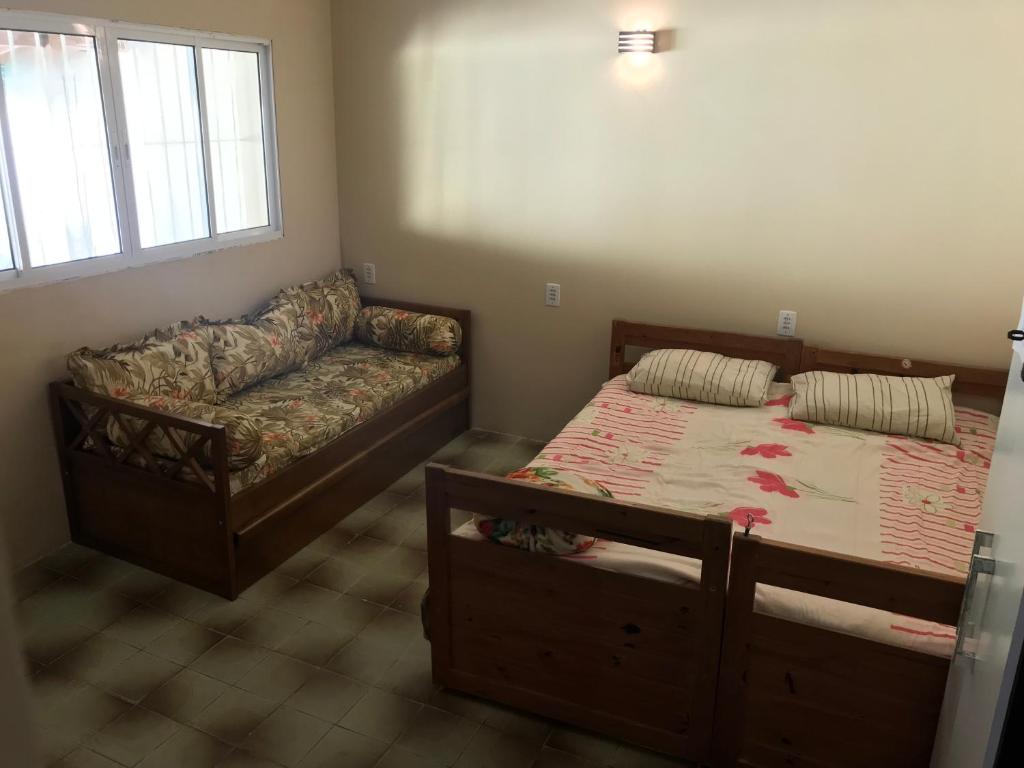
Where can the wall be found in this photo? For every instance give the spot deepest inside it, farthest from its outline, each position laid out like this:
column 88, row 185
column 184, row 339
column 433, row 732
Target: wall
column 859, row 162
column 42, row 324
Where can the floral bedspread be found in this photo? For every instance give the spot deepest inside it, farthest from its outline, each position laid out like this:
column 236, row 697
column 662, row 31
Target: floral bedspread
column 895, row 499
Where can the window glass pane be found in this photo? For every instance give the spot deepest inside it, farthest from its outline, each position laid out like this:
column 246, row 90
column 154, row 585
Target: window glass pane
column 161, row 102
column 55, row 114
column 232, row 80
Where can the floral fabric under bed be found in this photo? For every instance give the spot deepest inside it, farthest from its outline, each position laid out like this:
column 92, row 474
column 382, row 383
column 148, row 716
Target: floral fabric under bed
column 896, row 499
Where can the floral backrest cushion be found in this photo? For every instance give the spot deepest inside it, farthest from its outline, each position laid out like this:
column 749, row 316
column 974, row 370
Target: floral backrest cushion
column 406, row 331
column 325, row 310
column 173, row 362
column 244, row 439
column 270, row 343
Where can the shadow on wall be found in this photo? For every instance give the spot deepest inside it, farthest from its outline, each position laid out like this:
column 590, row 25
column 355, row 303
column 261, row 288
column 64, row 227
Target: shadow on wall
column 485, row 149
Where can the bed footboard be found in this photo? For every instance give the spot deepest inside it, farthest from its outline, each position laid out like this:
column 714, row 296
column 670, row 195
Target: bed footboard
column 632, row 657
column 796, row 695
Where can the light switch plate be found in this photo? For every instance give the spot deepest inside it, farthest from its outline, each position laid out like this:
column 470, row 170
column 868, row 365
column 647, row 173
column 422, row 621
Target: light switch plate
column 553, row 294
column 370, row 273
column 787, row 323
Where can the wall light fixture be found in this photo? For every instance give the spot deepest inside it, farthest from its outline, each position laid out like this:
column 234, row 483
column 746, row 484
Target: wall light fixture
column 639, row 41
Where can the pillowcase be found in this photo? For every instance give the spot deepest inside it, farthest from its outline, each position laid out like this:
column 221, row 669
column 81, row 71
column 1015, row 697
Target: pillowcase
column 325, row 311
column 895, row 405
column 706, row 377
column 406, row 331
column 245, row 442
column 174, row 362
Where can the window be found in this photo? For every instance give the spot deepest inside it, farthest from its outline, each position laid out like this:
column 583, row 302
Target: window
column 123, row 145
column 237, row 156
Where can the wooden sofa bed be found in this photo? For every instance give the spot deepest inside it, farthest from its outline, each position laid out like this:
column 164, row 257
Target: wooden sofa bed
column 181, row 519
column 639, row 659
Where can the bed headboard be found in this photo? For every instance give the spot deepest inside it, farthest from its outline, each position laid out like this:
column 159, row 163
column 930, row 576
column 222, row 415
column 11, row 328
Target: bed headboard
column 785, row 353
column 976, row 382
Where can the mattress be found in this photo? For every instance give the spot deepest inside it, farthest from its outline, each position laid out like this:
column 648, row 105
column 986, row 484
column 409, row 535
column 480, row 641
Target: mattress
column 890, row 498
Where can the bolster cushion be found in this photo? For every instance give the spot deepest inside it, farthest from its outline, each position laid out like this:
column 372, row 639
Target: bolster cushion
column 405, row 331
column 705, row 377
column 245, row 442
column 172, row 362
column 895, row 405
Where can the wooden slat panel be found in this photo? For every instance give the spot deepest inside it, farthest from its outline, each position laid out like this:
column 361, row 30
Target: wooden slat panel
column 675, row 532
column 931, row 596
column 852, row 663
column 838, row 740
column 657, row 705
column 815, row 697
column 785, row 353
column 610, row 633
column 985, row 382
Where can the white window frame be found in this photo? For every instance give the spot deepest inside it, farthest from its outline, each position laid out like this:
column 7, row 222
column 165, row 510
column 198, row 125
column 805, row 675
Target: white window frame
column 106, row 34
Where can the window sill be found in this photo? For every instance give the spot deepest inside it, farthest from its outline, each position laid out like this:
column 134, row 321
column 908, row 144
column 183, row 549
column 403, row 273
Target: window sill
column 11, row 280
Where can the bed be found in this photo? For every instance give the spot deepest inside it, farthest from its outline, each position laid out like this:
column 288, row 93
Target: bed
column 634, row 644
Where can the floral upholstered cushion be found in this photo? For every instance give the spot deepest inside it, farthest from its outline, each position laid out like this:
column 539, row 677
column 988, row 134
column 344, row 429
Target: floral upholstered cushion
column 245, row 444
column 256, row 348
column 406, row 331
column 174, row 361
column 299, row 413
column 325, row 311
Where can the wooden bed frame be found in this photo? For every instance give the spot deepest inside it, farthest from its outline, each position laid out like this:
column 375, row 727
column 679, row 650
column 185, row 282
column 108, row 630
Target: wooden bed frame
column 796, row 695
column 630, row 657
column 188, row 525
column 545, row 635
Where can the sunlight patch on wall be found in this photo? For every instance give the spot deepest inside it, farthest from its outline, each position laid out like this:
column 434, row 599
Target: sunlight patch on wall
column 509, row 133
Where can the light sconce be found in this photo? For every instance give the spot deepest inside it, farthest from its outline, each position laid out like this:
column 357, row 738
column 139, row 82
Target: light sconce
column 640, row 41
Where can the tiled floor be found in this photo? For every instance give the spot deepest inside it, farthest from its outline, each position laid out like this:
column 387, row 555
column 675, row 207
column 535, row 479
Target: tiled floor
column 320, row 664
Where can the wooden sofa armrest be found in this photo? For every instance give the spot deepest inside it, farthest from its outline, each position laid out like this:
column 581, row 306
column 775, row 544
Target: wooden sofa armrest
column 79, row 415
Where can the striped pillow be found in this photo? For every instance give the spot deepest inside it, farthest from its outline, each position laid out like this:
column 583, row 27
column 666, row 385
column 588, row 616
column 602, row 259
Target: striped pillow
column 895, row 405
column 706, row 377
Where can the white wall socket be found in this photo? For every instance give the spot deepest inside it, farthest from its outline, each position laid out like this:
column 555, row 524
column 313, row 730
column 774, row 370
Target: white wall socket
column 787, row 323
column 553, row 294
column 370, row 273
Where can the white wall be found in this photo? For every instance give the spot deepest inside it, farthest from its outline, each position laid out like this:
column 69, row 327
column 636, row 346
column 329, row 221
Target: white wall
column 859, row 161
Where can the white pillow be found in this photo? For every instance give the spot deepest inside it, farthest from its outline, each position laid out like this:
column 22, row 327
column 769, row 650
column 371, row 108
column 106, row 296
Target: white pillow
column 706, row 377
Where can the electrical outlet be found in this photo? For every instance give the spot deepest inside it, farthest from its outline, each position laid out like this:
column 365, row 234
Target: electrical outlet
column 370, row 273
column 787, row 323
column 553, row 294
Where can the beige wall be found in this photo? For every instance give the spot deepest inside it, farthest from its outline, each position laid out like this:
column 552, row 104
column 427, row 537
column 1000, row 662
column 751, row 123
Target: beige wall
column 859, row 162
column 42, row 324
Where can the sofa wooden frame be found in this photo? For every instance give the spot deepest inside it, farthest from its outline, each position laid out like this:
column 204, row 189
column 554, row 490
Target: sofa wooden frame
column 549, row 636
column 189, row 526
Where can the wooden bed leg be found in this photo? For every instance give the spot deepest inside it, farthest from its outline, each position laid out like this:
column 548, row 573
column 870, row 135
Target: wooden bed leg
column 730, row 706
column 439, row 529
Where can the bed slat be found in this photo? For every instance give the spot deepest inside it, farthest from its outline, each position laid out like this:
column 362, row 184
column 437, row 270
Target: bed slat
column 679, row 533
column 931, row 596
